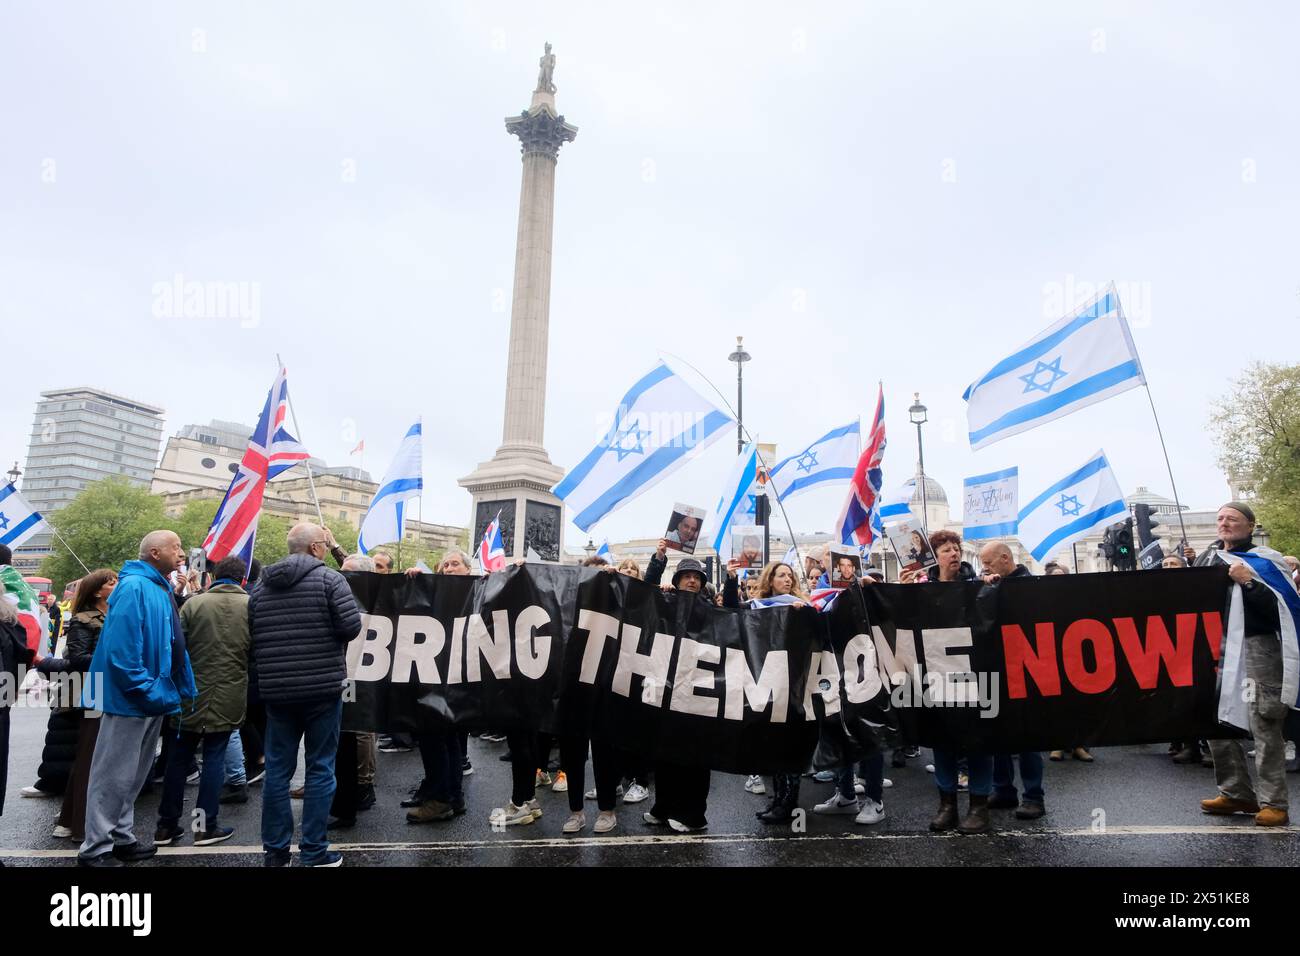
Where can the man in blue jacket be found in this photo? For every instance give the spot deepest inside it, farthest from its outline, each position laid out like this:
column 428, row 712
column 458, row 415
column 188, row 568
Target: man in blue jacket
column 138, row 675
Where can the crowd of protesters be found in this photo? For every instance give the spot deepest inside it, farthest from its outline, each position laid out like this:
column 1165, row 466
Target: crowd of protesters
column 235, row 673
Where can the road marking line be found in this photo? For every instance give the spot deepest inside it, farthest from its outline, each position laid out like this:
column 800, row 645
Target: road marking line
column 655, row 839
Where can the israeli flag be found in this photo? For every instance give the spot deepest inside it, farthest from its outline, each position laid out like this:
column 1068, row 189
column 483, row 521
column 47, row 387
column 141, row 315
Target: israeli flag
column 18, row 519
column 895, row 505
column 1081, row 360
column 831, row 458
column 736, row 506
column 659, row 424
column 990, row 508
column 385, row 521
column 1086, row 498
column 604, row 552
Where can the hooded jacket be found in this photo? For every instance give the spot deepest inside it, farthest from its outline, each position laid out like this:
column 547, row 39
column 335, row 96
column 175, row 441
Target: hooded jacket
column 301, row 616
column 140, row 667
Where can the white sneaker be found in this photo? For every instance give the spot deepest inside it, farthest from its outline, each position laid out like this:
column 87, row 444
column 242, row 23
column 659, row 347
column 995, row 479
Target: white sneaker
column 929, row 768
column 606, row 820
column 859, row 786
column 36, row 792
column 543, row 779
column 561, row 783
column 618, row 792
column 535, row 808
column 61, row 832
column 511, row 815
column 1290, row 750
column 754, row 785
column 577, row 821
column 651, row 819
column 872, row 812
column 680, row 827
column 886, row 783
column 635, row 793
column 837, row 804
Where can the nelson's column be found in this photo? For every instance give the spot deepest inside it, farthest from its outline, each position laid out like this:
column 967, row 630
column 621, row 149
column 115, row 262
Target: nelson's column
column 518, row 480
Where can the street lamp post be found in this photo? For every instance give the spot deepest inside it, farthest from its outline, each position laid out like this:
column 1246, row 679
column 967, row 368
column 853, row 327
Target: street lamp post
column 14, row 474
column 917, row 414
column 590, row 548
column 740, row 357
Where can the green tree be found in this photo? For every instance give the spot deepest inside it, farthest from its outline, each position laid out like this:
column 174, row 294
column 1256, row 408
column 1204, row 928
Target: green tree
column 195, row 519
column 273, row 531
column 1258, row 430
column 103, row 525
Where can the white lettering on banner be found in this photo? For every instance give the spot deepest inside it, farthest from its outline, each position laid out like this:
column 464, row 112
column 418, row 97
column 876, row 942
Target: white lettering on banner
column 691, row 677
column 532, row 650
column 456, row 661
column 77, row 909
column 493, row 648
column 600, row 628
column 861, row 675
column 421, row 654
column 652, row 667
column 825, row 669
column 377, row 634
column 773, row 685
column 939, row 642
column 895, row 663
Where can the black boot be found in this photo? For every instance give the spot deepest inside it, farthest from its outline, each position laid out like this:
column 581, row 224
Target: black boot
column 977, row 819
column 783, row 810
column 946, row 818
column 1189, row 754
column 776, row 796
column 366, row 797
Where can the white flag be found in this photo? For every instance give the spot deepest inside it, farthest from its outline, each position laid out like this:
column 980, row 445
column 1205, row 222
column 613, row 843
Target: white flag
column 18, row 519
column 1086, row 498
column 1082, row 359
column 385, row 522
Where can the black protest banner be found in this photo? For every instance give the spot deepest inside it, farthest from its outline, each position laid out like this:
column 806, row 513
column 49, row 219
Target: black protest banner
column 1054, row 662
column 1026, row 665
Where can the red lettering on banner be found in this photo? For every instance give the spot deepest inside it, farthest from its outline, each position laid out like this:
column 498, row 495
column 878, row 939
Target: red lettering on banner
column 1145, row 661
column 1022, row 656
column 1214, row 632
column 1103, row 648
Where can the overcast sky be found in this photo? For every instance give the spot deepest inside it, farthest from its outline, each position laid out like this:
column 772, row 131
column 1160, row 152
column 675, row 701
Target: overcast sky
column 904, row 192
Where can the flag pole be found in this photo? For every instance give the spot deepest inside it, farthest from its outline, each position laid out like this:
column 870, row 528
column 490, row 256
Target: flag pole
column 1178, row 505
column 69, row 547
column 762, row 463
column 311, row 482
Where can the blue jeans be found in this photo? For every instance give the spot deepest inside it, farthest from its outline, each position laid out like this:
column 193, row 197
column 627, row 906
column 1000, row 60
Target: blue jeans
column 1031, row 775
column 443, row 765
column 286, row 725
column 184, row 745
column 235, row 775
column 978, row 766
column 872, row 772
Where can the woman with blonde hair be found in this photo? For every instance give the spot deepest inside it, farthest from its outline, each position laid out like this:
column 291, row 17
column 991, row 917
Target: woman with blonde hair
column 630, row 568
column 778, row 584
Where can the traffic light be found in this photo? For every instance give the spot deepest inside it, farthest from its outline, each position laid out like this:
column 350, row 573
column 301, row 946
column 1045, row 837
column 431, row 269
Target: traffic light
column 1108, row 546
column 1145, row 516
column 1125, row 556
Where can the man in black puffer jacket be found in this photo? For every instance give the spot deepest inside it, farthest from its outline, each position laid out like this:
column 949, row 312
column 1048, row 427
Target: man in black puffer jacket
column 301, row 617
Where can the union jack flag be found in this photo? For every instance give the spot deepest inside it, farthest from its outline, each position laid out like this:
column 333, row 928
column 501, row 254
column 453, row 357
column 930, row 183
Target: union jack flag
column 859, row 521
column 492, row 550
column 271, row 451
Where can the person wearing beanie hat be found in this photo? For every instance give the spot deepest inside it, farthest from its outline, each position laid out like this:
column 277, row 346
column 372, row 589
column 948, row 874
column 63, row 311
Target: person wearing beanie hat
column 682, row 793
column 1261, row 660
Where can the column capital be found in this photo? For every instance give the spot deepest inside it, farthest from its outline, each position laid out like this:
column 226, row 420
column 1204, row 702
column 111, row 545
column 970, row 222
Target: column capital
column 541, row 131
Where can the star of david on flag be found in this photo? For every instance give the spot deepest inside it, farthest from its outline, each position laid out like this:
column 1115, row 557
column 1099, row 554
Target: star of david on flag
column 1086, row 498
column 1082, row 359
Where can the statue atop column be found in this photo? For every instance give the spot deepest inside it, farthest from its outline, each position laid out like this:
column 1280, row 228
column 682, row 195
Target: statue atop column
column 547, row 71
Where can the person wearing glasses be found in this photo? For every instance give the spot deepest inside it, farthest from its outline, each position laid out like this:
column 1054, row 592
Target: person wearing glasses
column 301, row 619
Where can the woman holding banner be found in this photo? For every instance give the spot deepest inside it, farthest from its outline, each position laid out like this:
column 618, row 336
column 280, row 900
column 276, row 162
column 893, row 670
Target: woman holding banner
column 777, row 586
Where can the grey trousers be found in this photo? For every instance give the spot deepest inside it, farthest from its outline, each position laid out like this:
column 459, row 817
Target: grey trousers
column 124, row 753
column 1263, row 660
